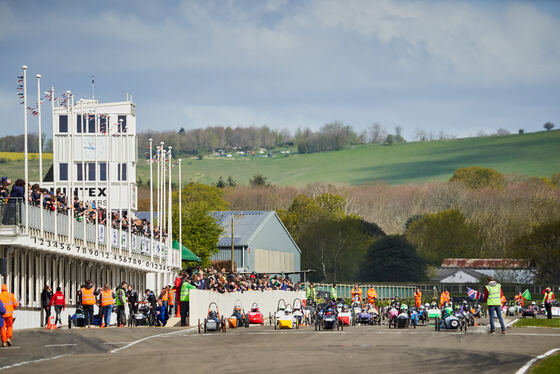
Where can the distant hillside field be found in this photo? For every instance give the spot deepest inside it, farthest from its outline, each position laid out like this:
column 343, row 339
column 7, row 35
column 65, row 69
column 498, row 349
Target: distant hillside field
column 535, row 154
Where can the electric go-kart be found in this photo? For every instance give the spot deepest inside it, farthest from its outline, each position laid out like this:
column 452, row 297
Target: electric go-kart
column 213, row 321
column 297, row 311
column 309, row 312
column 448, row 321
column 403, row 319
column 433, row 312
column 392, row 314
column 78, row 319
column 285, row 319
column 423, row 314
column 344, row 314
column 530, row 310
column 365, row 317
column 513, row 309
column 255, row 315
column 238, row 318
column 327, row 318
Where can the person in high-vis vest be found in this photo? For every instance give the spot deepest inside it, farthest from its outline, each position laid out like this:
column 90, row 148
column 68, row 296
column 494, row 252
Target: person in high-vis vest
column 417, row 298
column 334, row 293
column 164, row 296
column 444, row 298
column 310, row 294
column 356, row 294
column 106, row 302
column 121, row 303
column 371, row 296
column 172, row 298
column 10, row 304
column 86, row 298
column 548, row 299
column 186, row 288
column 493, row 296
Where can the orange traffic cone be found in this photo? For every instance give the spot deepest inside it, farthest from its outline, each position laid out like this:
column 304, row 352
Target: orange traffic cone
column 51, row 325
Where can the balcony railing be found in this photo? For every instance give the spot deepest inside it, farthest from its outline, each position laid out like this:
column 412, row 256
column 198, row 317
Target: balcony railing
column 42, row 223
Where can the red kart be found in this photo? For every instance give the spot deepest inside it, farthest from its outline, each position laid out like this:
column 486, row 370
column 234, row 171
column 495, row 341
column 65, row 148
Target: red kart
column 255, row 315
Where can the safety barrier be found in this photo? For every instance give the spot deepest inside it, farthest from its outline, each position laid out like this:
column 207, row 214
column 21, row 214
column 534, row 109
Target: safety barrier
column 267, row 301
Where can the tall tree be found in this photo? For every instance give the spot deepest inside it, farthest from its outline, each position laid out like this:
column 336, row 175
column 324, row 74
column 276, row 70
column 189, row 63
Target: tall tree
column 548, row 126
column 541, row 249
column 392, row 259
column 444, row 234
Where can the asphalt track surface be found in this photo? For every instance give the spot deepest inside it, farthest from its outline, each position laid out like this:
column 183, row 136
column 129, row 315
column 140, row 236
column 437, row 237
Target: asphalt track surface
column 359, row 349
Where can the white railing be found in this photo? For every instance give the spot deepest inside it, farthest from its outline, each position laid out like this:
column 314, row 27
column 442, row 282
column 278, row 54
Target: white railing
column 140, row 245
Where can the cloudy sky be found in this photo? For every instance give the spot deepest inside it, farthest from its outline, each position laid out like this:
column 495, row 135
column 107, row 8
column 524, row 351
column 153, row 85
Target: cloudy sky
column 458, row 67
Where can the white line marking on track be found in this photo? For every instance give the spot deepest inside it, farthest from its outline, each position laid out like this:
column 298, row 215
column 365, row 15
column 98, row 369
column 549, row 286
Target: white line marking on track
column 31, row 362
column 116, row 342
column 526, row 367
column 530, row 334
column 512, row 322
column 60, row 345
column 151, row 337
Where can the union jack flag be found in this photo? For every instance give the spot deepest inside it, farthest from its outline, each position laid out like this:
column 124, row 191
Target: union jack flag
column 473, row 294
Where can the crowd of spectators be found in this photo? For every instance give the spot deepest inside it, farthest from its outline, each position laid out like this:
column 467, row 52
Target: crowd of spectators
column 81, row 210
column 223, row 281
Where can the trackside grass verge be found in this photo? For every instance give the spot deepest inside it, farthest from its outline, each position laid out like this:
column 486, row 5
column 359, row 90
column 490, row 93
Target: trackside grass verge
column 525, row 322
column 550, row 365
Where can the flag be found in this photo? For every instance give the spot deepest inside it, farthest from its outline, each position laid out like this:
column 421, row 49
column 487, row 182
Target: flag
column 526, row 295
column 473, row 294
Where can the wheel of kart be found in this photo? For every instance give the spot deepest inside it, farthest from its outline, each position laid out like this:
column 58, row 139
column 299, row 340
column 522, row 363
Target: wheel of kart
column 69, row 322
column 270, row 319
column 436, row 323
column 274, row 322
column 454, row 323
column 342, row 326
column 247, row 321
column 465, row 328
column 316, row 326
column 337, row 327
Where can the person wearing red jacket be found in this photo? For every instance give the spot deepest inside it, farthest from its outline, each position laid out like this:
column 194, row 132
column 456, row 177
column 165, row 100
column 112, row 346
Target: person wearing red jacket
column 177, row 288
column 58, row 301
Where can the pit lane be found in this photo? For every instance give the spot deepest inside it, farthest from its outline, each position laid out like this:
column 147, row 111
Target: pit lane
column 358, row 349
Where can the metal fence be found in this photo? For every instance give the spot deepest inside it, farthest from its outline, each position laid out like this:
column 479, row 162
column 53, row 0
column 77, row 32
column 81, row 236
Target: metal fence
column 431, row 290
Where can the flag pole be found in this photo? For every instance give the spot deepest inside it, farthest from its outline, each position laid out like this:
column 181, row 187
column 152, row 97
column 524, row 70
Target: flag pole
column 25, row 150
column 55, row 172
column 69, row 171
column 160, row 215
column 38, row 76
column 82, row 123
column 169, row 216
column 120, row 183
column 109, row 212
column 129, row 190
column 180, row 214
column 95, row 174
column 151, row 204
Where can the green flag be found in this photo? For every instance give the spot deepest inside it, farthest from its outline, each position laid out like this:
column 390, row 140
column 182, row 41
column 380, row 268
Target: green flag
column 526, row 295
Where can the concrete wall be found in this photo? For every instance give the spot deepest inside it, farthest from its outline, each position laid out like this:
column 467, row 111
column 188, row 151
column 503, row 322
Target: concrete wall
column 267, row 300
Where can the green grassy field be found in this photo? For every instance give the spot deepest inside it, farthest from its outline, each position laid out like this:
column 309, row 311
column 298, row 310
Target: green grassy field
column 537, row 322
column 550, row 365
column 534, row 154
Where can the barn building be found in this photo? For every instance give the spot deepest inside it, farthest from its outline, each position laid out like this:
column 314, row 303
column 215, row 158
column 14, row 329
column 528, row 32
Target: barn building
column 261, row 242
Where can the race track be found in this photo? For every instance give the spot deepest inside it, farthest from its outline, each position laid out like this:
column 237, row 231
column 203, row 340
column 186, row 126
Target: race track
column 360, row 349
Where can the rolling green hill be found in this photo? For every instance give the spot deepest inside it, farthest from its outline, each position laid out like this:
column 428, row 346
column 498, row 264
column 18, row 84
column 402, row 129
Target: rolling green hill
column 535, row 154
